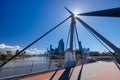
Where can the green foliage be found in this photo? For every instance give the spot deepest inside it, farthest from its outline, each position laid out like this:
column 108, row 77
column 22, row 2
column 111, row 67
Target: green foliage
column 95, row 53
column 54, row 57
column 5, row 56
column 56, row 52
column 2, row 57
column 78, row 56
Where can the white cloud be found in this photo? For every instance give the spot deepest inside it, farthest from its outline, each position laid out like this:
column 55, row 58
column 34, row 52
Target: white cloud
column 34, row 51
column 4, row 48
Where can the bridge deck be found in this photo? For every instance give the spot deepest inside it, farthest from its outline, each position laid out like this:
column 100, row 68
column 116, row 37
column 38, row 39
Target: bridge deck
column 94, row 71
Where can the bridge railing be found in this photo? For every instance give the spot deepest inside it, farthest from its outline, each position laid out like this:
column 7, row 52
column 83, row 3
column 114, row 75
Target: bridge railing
column 15, row 69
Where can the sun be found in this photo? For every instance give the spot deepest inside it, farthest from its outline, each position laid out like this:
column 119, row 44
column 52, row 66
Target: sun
column 75, row 13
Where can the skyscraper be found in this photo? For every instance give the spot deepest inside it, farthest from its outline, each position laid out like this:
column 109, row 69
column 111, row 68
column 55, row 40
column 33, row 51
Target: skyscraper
column 61, row 46
column 51, row 49
column 16, row 51
column 80, row 46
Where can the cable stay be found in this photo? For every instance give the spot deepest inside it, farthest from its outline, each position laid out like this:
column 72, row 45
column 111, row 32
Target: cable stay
column 68, row 38
column 5, row 62
column 111, row 54
column 79, row 44
column 115, row 12
column 111, row 45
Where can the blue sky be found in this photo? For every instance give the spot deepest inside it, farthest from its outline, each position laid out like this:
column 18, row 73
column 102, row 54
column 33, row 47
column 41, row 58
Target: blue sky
column 23, row 21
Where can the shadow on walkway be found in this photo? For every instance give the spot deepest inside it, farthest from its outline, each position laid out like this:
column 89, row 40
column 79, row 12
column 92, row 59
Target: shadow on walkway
column 71, row 73
column 65, row 75
column 80, row 73
column 53, row 75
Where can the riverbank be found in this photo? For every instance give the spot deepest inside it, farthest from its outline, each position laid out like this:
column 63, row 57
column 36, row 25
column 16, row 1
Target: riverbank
column 7, row 56
column 26, row 65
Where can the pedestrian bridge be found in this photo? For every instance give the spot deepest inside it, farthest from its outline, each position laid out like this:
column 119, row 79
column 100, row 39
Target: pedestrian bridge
column 94, row 71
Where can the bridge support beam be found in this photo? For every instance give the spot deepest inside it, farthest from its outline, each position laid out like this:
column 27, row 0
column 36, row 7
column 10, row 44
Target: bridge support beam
column 111, row 45
column 72, row 27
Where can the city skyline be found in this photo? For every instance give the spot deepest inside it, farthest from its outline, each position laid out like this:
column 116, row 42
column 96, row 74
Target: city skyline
column 24, row 21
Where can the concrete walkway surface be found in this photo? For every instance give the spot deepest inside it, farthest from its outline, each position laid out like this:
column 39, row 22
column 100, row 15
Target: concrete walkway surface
column 94, row 71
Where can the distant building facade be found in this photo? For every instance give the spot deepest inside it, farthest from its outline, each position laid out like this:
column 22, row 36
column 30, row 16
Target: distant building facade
column 9, row 52
column 61, row 46
column 58, row 50
column 86, row 51
column 51, row 49
column 16, row 51
column 80, row 47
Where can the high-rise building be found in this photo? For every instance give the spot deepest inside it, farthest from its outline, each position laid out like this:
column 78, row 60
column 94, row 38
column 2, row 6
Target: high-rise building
column 61, row 46
column 16, row 51
column 80, row 46
column 9, row 52
column 86, row 51
column 51, row 49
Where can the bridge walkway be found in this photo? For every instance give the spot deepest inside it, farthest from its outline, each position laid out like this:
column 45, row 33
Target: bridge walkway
column 94, row 71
